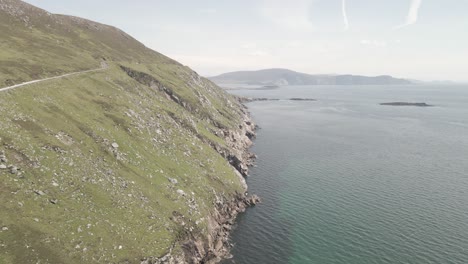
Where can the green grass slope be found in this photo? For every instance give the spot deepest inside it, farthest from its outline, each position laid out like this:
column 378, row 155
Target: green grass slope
column 109, row 162
column 36, row 44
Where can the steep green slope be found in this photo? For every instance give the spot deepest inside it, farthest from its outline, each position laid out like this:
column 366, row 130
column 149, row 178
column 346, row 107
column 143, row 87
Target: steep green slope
column 112, row 166
column 35, row 44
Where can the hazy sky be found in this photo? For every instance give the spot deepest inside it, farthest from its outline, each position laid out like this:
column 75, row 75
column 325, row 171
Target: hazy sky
column 421, row 39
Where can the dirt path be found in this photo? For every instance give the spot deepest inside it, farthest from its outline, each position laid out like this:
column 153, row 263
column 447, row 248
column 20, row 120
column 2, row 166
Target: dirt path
column 50, row 78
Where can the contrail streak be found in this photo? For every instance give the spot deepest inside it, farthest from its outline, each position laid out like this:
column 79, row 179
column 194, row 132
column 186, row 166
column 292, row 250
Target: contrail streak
column 345, row 15
column 413, row 14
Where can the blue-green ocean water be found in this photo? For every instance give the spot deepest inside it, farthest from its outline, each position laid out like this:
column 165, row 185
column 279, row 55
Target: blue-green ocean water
column 346, row 180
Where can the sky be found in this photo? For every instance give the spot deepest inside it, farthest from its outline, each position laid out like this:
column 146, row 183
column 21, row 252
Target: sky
column 416, row 39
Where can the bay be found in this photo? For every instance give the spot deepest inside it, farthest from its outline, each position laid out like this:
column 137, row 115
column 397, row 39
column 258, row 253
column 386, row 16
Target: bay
column 347, row 180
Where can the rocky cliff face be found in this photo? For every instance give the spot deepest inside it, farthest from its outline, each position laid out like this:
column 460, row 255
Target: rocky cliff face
column 239, row 141
column 213, row 246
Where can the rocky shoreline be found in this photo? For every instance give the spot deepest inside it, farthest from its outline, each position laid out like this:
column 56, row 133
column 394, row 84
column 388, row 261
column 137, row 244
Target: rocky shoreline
column 215, row 246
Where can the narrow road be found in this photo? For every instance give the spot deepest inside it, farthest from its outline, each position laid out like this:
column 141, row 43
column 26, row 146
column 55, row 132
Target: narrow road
column 50, row 78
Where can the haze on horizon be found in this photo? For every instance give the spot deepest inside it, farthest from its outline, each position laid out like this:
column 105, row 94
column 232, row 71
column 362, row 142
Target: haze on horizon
column 417, row 39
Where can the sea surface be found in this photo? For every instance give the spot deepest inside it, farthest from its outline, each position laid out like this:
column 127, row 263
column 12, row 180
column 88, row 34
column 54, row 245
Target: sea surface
column 346, row 180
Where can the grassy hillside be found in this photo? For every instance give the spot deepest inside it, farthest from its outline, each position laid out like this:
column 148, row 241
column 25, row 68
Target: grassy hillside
column 35, row 43
column 114, row 165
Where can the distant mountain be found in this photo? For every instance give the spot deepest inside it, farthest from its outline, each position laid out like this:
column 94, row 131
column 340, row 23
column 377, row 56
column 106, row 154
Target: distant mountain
column 288, row 77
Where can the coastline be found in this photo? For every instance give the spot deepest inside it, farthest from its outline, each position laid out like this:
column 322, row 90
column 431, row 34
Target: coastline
column 213, row 246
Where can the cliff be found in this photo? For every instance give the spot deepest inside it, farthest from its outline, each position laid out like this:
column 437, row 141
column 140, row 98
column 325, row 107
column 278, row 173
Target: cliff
column 139, row 161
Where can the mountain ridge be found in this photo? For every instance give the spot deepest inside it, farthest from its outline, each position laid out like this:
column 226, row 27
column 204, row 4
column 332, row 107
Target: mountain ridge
column 280, row 76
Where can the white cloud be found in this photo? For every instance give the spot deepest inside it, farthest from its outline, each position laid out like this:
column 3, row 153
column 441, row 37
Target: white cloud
column 345, row 15
column 413, row 14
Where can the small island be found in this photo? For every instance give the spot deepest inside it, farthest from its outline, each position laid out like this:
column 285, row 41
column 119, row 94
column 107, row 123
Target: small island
column 254, row 99
column 249, row 99
column 407, row 104
column 302, row 99
column 267, row 87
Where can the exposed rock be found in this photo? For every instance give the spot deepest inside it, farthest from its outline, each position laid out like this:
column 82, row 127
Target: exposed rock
column 173, row 181
column 216, row 246
column 238, row 164
column 115, row 145
column 53, row 201
column 239, row 142
column 3, row 166
column 38, row 192
column 250, row 134
column 213, row 246
column 14, row 170
column 253, row 200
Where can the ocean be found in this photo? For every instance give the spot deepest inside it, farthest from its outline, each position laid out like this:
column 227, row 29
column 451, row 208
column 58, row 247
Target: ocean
column 346, row 180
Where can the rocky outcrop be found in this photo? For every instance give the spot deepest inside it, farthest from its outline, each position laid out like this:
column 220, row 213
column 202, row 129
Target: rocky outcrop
column 239, row 142
column 152, row 82
column 214, row 245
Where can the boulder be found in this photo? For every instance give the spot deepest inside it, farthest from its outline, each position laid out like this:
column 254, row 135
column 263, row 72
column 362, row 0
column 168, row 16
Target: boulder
column 173, row 181
column 39, row 192
column 253, row 200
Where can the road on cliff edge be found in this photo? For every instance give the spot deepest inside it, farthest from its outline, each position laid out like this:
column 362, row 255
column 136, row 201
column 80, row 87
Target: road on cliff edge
column 103, row 67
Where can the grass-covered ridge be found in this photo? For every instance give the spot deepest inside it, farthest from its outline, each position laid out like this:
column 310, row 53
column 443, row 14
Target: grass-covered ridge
column 111, row 168
column 36, row 44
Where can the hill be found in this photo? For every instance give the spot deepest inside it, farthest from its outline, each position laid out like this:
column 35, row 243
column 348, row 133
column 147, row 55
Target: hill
column 137, row 162
column 288, row 77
